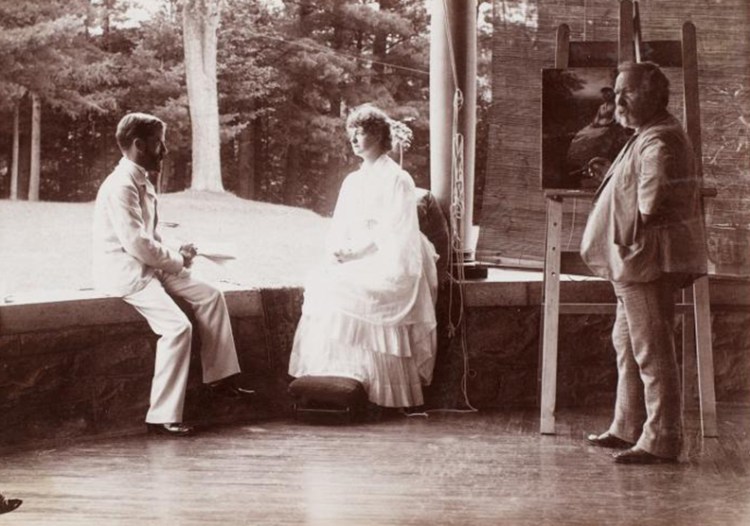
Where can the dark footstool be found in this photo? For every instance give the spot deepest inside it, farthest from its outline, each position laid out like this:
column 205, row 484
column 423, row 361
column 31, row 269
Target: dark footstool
column 328, row 395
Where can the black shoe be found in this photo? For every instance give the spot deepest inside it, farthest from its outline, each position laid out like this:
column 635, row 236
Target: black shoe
column 8, row 505
column 608, row 440
column 230, row 390
column 174, row 430
column 636, row 455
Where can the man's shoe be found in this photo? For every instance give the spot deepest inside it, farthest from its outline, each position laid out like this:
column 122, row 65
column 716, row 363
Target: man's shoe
column 636, row 455
column 174, row 430
column 230, row 390
column 608, row 440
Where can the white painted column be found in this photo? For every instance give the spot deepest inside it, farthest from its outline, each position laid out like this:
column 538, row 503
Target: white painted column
column 453, row 64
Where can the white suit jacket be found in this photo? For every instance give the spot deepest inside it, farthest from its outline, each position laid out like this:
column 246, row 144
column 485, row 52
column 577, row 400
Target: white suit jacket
column 127, row 250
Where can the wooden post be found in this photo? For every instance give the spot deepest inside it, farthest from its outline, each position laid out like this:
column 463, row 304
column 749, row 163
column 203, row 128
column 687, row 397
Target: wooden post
column 551, row 300
column 701, row 299
column 692, row 108
column 625, row 48
column 637, row 35
column 562, row 46
column 706, row 388
column 551, row 315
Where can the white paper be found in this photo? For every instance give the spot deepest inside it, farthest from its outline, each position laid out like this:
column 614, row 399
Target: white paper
column 218, row 250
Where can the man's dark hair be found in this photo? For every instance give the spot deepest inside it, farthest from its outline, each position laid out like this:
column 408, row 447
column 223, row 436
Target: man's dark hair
column 374, row 122
column 652, row 78
column 137, row 126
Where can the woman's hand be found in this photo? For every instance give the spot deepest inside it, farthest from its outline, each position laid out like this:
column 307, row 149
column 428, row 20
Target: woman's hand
column 344, row 254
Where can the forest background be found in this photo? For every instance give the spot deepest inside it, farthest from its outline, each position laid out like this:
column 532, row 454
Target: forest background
column 287, row 73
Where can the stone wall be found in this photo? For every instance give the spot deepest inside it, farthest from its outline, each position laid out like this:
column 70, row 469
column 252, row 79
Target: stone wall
column 73, row 371
column 83, row 381
column 503, row 346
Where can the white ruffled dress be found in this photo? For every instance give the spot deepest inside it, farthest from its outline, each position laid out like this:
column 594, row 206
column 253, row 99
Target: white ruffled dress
column 373, row 318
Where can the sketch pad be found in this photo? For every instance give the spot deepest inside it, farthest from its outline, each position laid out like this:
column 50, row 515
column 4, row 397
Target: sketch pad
column 218, row 250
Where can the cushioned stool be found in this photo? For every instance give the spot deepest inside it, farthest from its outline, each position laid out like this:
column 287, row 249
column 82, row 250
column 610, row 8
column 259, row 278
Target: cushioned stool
column 334, row 395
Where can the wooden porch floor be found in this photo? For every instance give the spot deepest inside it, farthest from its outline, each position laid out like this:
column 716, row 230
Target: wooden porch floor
column 472, row 468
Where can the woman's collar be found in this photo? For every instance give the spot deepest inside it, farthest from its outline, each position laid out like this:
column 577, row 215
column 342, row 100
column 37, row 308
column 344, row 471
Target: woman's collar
column 369, row 165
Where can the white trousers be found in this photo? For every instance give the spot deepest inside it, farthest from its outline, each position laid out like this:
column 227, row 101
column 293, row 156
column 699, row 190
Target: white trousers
column 218, row 353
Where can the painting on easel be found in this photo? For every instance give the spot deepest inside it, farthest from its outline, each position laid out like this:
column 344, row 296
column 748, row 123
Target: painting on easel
column 580, row 135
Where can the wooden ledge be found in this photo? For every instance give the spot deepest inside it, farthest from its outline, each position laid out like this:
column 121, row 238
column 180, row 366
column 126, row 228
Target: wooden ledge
column 521, row 288
column 502, row 288
column 68, row 309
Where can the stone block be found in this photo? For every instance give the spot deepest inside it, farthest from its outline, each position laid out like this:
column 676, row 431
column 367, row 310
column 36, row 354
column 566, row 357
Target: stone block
column 731, row 341
column 10, row 346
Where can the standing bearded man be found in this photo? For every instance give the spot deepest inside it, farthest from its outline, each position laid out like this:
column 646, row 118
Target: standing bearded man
column 646, row 235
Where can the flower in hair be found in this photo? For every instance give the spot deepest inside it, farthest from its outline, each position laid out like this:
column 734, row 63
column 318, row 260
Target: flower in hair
column 401, row 134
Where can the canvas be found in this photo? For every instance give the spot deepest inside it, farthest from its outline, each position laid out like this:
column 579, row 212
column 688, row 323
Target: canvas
column 578, row 126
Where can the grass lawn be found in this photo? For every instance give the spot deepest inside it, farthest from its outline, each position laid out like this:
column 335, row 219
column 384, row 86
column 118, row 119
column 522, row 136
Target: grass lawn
column 46, row 247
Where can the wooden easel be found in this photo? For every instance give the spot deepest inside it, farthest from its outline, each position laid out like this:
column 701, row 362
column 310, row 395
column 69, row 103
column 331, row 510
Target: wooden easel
column 695, row 311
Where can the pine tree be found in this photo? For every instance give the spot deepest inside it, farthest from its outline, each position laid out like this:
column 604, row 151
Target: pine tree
column 48, row 60
column 325, row 56
column 246, row 89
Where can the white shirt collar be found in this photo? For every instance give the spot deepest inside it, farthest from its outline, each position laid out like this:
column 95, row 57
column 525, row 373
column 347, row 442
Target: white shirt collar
column 139, row 172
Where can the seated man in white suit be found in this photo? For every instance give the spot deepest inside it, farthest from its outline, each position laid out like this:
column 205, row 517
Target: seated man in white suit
column 131, row 261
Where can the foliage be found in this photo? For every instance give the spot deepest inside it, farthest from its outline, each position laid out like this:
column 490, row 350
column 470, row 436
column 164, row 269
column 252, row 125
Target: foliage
column 44, row 49
column 288, row 73
column 325, row 59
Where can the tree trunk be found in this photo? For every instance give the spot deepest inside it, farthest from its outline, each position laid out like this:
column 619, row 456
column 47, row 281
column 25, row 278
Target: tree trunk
column 14, row 161
column 182, row 173
column 292, row 176
column 331, row 185
column 292, row 180
column 24, row 161
column 165, row 175
column 306, row 8
column 107, row 32
column 334, row 98
column 200, row 20
column 35, row 167
column 260, row 155
column 380, row 43
column 247, row 164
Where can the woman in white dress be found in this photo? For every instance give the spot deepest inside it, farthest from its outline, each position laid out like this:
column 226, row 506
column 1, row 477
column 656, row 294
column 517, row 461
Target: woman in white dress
column 369, row 311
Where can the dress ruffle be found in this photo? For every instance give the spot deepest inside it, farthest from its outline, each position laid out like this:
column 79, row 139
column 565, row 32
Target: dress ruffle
column 393, row 363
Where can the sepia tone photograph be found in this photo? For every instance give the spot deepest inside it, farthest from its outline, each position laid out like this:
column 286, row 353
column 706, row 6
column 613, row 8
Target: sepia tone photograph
column 375, row 262
column 579, row 128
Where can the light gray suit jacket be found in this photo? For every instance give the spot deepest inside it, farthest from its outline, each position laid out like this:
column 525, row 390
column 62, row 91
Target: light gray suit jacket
column 654, row 174
column 127, row 250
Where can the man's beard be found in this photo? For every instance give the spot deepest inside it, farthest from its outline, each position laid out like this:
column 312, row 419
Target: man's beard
column 623, row 118
column 154, row 165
